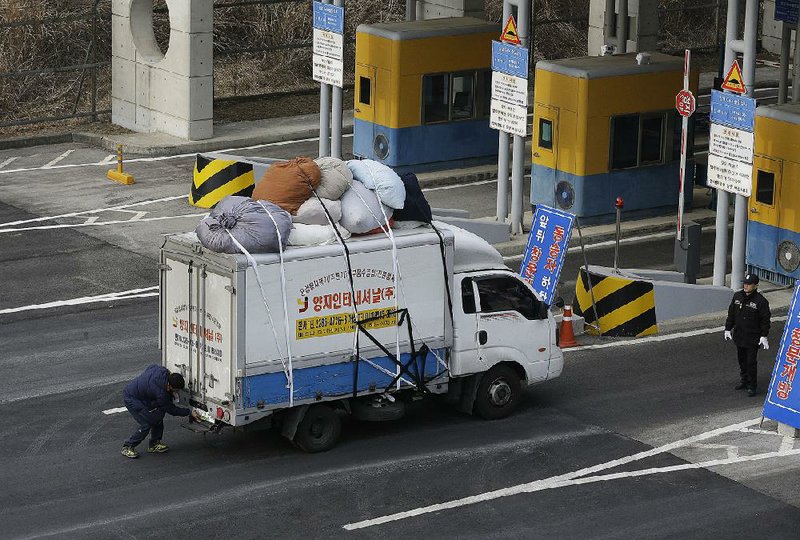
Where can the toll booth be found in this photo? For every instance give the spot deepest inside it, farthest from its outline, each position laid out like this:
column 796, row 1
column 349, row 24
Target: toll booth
column 606, row 127
column 422, row 92
column 773, row 230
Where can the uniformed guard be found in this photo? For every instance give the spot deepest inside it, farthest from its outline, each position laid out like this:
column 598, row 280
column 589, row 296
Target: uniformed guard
column 748, row 325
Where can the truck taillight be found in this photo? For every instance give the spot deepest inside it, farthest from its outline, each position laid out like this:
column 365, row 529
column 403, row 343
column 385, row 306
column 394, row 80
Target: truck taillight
column 220, row 413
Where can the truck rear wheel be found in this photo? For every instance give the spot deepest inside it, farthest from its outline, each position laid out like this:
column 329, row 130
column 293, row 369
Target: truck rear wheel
column 498, row 393
column 319, row 430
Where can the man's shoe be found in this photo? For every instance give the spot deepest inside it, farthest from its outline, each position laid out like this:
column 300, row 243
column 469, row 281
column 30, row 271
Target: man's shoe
column 751, row 392
column 740, row 386
column 158, row 448
column 129, row 452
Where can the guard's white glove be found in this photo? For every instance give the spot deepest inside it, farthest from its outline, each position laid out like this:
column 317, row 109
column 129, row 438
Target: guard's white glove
column 764, row 343
column 728, row 335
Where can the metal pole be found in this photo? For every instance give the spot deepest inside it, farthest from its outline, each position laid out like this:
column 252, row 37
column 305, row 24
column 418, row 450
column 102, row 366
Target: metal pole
column 740, row 208
column 336, row 113
column 609, row 22
column 684, row 129
column 716, row 20
column 619, row 204
column 596, row 324
column 502, row 154
column 783, row 73
column 723, row 202
column 796, row 63
column 622, row 27
column 324, row 115
column 518, row 157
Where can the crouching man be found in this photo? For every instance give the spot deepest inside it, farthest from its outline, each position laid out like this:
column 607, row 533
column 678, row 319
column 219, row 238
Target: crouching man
column 148, row 398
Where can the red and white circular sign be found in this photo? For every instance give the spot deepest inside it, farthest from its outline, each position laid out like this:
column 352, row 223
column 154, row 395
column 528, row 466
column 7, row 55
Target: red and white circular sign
column 685, row 103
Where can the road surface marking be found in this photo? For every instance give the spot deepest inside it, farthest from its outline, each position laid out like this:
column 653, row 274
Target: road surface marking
column 109, row 158
column 58, row 159
column 456, row 186
column 582, row 476
column 108, row 297
column 9, row 161
column 115, row 411
column 94, row 211
column 166, row 158
column 98, row 224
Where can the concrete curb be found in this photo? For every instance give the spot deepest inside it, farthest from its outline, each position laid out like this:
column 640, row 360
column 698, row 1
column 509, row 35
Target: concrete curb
column 35, row 140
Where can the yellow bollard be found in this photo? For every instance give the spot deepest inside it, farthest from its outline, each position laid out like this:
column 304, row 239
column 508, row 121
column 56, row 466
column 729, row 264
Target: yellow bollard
column 118, row 175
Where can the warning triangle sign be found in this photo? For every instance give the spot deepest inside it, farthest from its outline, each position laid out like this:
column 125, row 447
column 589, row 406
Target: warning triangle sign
column 733, row 80
column 509, row 34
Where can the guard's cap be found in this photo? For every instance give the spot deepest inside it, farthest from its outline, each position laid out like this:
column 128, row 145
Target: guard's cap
column 751, row 279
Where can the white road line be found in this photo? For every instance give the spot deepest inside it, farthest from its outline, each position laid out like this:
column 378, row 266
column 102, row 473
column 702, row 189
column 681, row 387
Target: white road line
column 98, row 224
column 108, row 297
column 109, row 159
column 456, row 186
column 787, row 444
column 661, row 337
column 575, row 477
column 115, row 411
column 167, row 158
column 94, row 211
column 760, row 431
column 9, row 161
column 58, row 159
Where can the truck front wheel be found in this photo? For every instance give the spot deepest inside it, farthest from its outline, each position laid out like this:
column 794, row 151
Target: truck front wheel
column 319, row 430
column 498, row 393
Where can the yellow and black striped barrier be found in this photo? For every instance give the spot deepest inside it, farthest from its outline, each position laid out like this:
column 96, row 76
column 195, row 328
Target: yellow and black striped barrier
column 625, row 307
column 214, row 179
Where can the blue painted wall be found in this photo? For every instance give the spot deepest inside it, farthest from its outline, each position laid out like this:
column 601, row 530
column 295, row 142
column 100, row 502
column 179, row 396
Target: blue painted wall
column 762, row 247
column 330, row 380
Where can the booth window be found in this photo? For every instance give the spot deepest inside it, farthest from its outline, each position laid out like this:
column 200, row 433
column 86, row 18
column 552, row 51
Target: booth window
column 765, row 187
column 463, row 96
column 503, row 293
column 483, row 99
column 436, row 98
column 545, row 133
column 637, row 140
column 364, row 90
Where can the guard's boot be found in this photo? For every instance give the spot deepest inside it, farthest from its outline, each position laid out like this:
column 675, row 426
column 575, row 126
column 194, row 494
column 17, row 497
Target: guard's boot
column 740, row 386
column 158, row 448
column 129, row 452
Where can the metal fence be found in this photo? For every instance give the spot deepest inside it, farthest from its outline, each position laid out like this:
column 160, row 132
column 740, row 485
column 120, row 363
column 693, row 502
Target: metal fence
column 232, row 54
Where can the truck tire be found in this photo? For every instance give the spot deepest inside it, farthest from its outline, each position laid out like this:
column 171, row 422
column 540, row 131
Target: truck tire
column 319, row 430
column 498, row 393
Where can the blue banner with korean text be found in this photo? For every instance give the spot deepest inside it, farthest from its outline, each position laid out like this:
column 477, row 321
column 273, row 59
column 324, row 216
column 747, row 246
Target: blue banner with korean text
column 783, row 401
column 546, row 250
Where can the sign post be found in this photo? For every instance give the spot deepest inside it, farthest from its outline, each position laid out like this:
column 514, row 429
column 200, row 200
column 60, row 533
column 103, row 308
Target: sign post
column 686, row 104
column 547, row 246
column 783, row 402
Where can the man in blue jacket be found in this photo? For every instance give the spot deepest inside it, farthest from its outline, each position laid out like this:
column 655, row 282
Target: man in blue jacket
column 148, row 398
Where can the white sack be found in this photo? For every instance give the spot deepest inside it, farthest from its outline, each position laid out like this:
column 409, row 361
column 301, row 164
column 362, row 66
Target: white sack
column 311, row 212
column 381, row 179
column 314, row 235
column 361, row 210
column 336, row 177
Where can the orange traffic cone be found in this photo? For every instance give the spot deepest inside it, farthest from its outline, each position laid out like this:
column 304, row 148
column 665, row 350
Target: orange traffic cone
column 566, row 336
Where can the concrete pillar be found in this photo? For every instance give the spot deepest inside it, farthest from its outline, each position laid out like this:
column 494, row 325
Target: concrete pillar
column 436, row 9
column 642, row 27
column 172, row 92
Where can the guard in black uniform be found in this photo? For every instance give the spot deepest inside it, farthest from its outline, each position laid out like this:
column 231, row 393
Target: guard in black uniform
column 748, row 326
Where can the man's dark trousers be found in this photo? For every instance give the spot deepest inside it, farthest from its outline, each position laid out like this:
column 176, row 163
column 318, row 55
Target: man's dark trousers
column 748, row 365
column 152, row 423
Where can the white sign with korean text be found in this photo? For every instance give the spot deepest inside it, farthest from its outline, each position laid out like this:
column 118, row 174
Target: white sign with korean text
column 730, row 175
column 509, row 118
column 328, row 44
column 510, row 89
column 328, row 70
column 731, row 143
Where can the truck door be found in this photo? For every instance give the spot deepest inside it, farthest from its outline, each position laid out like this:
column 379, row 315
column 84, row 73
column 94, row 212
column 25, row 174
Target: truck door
column 464, row 358
column 512, row 325
column 764, row 210
column 197, row 329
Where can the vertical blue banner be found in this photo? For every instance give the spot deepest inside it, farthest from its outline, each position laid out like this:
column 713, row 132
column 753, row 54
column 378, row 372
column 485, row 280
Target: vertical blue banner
column 783, row 401
column 546, row 250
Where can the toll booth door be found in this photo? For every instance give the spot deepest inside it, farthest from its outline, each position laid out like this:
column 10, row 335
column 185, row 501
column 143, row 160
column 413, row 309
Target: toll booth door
column 545, row 141
column 764, row 212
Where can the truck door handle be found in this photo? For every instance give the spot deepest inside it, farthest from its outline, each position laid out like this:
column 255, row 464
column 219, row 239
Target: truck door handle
column 482, row 337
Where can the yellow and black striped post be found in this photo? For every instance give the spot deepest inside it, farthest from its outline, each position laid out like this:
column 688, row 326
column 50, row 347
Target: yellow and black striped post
column 625, row 307
column 215, row 179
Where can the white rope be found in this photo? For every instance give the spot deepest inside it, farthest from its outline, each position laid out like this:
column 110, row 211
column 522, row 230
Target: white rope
column 287, row 332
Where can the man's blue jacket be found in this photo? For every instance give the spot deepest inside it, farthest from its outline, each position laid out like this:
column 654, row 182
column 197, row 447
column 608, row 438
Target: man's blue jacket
column 147, row 395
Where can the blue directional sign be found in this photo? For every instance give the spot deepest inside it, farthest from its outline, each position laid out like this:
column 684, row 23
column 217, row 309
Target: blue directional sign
column 510, row 59
column 783, row 401
column 547, row 247
column 329, row 17
column 733, row 110
column 787, row 10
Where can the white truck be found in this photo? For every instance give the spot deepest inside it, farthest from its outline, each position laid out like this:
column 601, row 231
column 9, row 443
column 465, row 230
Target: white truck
column 323, row 331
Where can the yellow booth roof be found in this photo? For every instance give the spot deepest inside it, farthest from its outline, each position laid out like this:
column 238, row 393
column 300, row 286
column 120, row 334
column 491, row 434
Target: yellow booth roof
column 448, row 26
column 598, row 67
column 788, row 112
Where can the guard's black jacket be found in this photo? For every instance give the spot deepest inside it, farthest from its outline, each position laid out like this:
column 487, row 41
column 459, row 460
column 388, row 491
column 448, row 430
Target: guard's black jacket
column 748, row 318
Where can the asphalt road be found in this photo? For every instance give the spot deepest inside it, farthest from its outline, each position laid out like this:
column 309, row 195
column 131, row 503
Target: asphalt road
column 62, row 474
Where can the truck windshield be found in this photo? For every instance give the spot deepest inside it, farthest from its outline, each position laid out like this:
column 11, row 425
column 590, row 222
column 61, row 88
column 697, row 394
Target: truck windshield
column 505, row 293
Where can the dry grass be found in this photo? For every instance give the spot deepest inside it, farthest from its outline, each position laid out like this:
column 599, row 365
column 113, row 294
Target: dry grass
column 46, row 45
